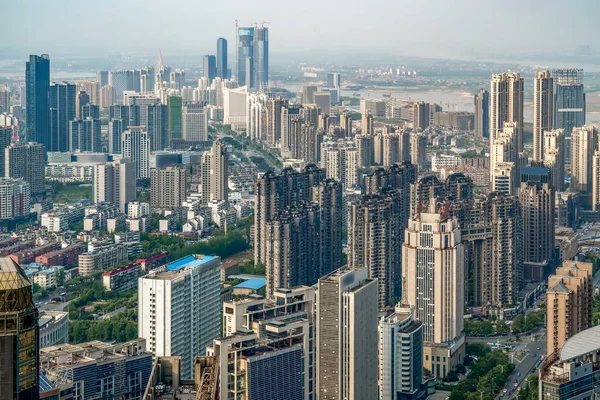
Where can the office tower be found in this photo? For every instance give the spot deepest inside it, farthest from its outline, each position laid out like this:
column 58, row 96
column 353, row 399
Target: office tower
column 536, row 196
column 420, row 115
column 185, row 296
column 82, row 99
column 323, row 101
column 175, row 104
column 168, row 187
column 339, row 158
column 92, row 88
column 107, row 96
column 418, row 150
column 194, row 122
column 506, row 104
column 503, row 149
column 154, row 118
column 15, row 198
column 136, row 145
column 554, row 156
column 346, row 123
column 367, row 124
column 334, row 80
column 219, row 164
column 90, row 111
column 433, row 281
column 114, row 182
column 209, row 67
column 147, row 79
column 62, row 110
column 253, row 57
column 482, row 114
column 19, row 375
column 37, row 107
column 26, row 161
column 85, row 135
column 134, row 80
column 569, row 103
column 494, row 249
column 317, row 202
column 543, row 111
column 120, row 81
column 569, row 303
column 115, row 135
column 260, row 60
column 366, row 150
column 5, row 140
column 346, row 361
column 374, row 241
column 584, row 142
column 308, row 94
column 102, row 78
column 400, row 355
column 235, row 107
column 222, row 71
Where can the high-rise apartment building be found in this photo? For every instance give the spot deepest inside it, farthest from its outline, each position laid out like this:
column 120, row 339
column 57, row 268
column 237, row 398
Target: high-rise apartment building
column 194, row 122
column 15, row 198
column 346, row 123
column 323, row 101
column 346, row 337
column 433, row 282
column 569, row 303
column 92, row 88
column 554, row 156
column 504, row 150
column 482, row 114
column 19, row 336
column 114, row 183
column 6, row 133
column 339, row 158
column 107, row 96
column 334, row 80
column 168, row 187
column 584, row 142
column 120, row 80
column 421, row 115
column 400, row 355
column 543, row 111
column 596, row 181
column 37, row 106
column 222, row 69
column 366, row 150
column 136, row 145
column 569, row 103
column 26, row 161
column 102, row 78
column 219, row 165
column 85, row 135
column 506, row 104
column 81, row 100
column 536, row 195
column 184, row 298
column 177, row 78
column 367, row 124
column 418, row 150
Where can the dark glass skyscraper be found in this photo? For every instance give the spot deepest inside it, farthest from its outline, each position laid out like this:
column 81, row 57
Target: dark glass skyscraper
column 261, row 58
column 62, row 101
column 19, row 335
column 222, row 71
column 209, row 66
column 569, row 103
column 37, row 86
column 245, row 55
column 253, row 57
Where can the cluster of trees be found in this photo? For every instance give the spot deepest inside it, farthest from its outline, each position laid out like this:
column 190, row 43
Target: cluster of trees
column 250, row 268
column 476, row 327
column 596, row 309
column 120, row 328
column 530, row 391
column 523, row 323
column 489, row 371
column 261, row 164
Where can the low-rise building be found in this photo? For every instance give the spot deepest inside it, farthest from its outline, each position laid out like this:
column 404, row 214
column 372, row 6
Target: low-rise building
column 122, row 279
column 66, row 257
column 153, row 261
column 102, row 258
column 54, row 328
column 46, row 278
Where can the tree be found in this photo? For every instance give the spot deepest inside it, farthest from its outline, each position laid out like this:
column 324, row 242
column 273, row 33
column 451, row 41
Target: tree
column 60, row 277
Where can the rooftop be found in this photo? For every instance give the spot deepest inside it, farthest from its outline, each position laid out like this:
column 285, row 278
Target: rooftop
column 581, row 344
column 253, row 283
column 189, row 261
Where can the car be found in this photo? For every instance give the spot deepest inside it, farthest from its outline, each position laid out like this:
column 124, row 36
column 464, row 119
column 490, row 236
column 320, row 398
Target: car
column 539, row 348
column 516, row 381
column 518, row 374
column 505, row 390
column 516, row 384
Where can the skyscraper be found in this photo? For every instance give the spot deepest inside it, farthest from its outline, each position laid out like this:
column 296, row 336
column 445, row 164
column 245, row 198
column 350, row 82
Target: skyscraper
column 136, row 145
column 482, row 114
column 506, row 104
column 62, row 110
column 334, row 80
column 219, row 165
column 253, row 56
column 543, row 111
column 418, row 150
column 209, row 67
column 569, row 107
column 37, row 83
column 261, row 58
column 175, row 104
column 102, row 78
column 346, row 360
column 536, row 196
column 19, row 337
column 433, row 281
column 554, row 156
column 168, row 187
column 503, row 150
column 584, row 142
column 92, row 88
column 569, row 303
column 81, row 100
column 114, row 183
column 222, row 70
column 185, row 296
column 194, row 122
column 85, row 135
column 26, row 161
column 420, row 115
column 5, row 139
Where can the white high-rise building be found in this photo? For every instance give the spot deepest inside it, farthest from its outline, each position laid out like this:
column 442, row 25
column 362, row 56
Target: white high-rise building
column 506, row 104
column 400, row 355
column 136, row 145
column 584, row 143
column 234, row 107
column 554, row 156
column 114, row 182
column 346, row 336
column 339, row 158
column 543, row 111
column 194, row 122
column 503, row 150
column 179, row 309
column 15, row 198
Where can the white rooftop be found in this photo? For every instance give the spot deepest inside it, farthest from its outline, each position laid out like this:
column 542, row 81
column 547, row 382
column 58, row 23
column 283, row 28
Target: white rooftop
column 581, row 344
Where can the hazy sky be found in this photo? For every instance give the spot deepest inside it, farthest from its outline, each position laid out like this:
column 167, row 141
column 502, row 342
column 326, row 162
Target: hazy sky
column 426, row 28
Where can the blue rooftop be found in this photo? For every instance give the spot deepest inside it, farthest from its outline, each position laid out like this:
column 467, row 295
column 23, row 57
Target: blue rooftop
column 253, row 283
column 189, row 261
column 45, row 383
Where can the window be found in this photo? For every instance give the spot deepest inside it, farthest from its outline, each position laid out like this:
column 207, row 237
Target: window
column 107, row 387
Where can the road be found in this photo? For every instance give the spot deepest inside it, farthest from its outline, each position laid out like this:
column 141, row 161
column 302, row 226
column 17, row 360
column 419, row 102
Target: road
column 535, row 350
